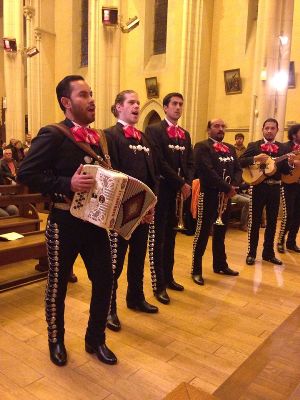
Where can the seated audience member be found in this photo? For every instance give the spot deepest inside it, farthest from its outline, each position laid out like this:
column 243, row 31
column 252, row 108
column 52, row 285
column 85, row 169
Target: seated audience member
column 242, row 199
column 18, row 151
column 8, row 166
column 239, row 144
column 10, row 209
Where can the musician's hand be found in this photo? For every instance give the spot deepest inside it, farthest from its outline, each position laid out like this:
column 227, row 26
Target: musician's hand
column 297, row 163
column 291, row 160
column 149, row 217
column 186, row 191
column 81, row 182
column 262, row 157
column 231, row 193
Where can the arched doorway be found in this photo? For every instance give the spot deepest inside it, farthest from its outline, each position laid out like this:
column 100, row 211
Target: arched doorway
column 153, row 118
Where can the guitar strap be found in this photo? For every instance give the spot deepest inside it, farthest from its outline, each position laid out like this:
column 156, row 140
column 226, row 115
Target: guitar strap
column 86, row 147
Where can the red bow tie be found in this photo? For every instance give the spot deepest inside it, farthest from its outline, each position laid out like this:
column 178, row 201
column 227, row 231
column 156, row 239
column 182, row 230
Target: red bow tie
column 296, row 146
column 221, row 148
column 269, row 147
column 131, row 132
column 174, row 132
column 83, row 134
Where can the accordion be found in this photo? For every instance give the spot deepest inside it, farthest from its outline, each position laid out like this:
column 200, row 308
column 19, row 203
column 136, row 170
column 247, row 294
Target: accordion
column 116, row 201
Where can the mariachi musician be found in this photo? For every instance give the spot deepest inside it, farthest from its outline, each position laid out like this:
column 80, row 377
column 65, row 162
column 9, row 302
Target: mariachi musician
column 219, row 173
column 264, row 194
column 174, row 149
column 53, row 166
column 131, row 153
column 290, row 197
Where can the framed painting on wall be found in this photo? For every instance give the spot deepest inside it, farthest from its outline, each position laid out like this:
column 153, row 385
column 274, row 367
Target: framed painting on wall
column 233, row 82
column 151, row 87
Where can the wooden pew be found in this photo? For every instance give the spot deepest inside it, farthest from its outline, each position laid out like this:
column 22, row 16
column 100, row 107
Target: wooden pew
column 32, row 246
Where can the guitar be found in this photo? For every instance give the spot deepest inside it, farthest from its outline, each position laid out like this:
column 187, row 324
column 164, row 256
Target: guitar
column 293, row 176
column 259, row 171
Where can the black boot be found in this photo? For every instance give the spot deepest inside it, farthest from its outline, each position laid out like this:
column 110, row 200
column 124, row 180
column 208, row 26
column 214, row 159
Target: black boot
column 58, row 353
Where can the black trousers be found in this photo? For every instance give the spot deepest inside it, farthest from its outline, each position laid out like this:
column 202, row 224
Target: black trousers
column 263, row 195
column 207, row 215
column 290, row 198
column 162, row 260
column 66, row 237
column 135, row 269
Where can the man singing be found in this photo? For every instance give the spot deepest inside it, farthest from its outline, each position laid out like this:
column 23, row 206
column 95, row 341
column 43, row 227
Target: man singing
column 53, row 166
column 131, row 153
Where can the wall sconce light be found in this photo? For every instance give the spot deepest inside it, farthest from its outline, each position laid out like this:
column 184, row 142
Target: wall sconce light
column 263, row 74
column 109, row 16
column 31, row 51
column 280, row 80
column 130, row 25
column 10, row 45
column 283, row 40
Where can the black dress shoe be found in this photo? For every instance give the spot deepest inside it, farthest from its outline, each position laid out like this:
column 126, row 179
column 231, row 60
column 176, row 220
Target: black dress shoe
column 293, row 248
column 175, row 286
column 143, row 306
column 58, row 353
column 198, row 279
column 113, row 323
column 273, row 260
column 102, row 352
column 73, row 278
column 250, row 260
column 227, row 271
column 162, row 297
column 280, row 248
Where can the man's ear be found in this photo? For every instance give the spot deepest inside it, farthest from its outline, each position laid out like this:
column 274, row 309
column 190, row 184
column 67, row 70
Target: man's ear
column 118, row 107
column 66, row 102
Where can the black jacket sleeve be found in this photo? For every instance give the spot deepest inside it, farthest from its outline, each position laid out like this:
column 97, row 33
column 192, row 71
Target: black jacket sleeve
column 37, row 169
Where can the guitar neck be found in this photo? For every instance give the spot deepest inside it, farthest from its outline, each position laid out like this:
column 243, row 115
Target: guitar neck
column 284, row 156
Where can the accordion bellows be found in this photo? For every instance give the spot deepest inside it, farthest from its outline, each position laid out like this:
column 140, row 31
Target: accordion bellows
column 116, row 202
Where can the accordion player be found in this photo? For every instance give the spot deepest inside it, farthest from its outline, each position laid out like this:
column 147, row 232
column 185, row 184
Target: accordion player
column 116, row 201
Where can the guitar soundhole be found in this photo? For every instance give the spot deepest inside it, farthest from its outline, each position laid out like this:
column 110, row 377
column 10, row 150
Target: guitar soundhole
column 262, row 167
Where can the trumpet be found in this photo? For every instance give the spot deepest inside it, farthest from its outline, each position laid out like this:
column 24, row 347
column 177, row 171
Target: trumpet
column 179, row 210
column 222, row 205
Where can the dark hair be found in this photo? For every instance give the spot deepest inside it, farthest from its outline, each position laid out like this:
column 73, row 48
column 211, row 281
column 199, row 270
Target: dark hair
column 208, row 125
column 293, row 131
column 239, row 134
column 63, row 89
column 168, row 97
column 271, row 120
column 120, row 98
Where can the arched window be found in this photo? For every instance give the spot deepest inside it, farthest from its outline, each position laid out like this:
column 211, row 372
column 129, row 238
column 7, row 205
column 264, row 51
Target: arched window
column 84, row 33
column 160, row 26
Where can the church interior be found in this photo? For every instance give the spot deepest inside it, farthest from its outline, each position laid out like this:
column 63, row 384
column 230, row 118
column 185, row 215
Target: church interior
column 234, row 338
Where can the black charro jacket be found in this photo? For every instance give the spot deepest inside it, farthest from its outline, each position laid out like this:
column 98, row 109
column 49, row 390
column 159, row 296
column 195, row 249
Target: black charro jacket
column 51, row 162
column 157, row 135
column 139, row 164
column 211, row 167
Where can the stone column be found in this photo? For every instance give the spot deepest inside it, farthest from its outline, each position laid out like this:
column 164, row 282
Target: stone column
column 195, row 65
column 29, row 13
column 275, row 18
column 104, row 62
column 14, row 70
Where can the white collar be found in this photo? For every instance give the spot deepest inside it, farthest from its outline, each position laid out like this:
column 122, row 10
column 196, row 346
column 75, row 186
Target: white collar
column 170, row 123
column 79, row 126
